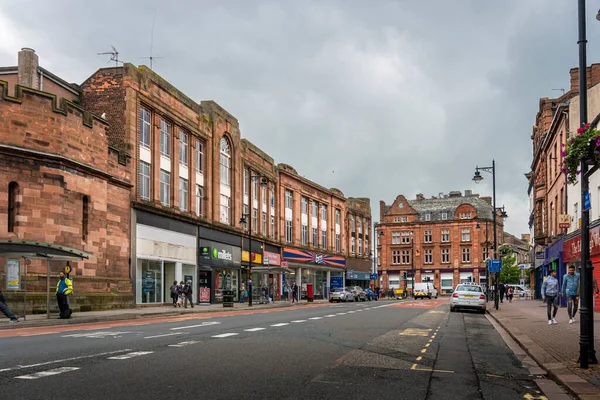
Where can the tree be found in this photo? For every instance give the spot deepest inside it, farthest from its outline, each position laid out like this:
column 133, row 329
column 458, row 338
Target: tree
column 510, row 270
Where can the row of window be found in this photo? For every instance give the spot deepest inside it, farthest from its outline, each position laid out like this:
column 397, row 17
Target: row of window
column 427, row 217
column 402, row 257
column 406, row 237
column 165, row 140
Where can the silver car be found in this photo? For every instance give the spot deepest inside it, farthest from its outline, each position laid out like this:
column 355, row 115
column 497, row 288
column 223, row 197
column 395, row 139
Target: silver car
column 468, row 296
column 339, row 295
column 359, row 294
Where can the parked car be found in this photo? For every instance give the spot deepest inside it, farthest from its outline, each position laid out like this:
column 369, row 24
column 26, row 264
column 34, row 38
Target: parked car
column 425, row 289
column 371, row 295
column 468, row 296
column 359, row 294
column 340, row 294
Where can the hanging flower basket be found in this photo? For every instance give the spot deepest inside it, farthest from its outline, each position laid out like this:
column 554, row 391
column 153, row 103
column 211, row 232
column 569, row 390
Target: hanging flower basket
column 584, row 146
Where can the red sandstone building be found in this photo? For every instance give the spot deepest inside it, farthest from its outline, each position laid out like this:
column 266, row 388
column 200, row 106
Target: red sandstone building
column 178, row 178
column 446, row 240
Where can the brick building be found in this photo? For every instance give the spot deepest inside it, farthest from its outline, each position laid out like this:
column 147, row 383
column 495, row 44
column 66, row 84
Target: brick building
column 62, row 182
column 196, row 178
column 445, row 239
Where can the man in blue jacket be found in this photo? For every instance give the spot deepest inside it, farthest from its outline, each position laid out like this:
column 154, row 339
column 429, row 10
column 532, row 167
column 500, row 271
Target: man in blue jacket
column 570, row 288
column 550, row 296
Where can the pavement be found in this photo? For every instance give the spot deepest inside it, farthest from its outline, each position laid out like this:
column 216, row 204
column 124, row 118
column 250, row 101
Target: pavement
column 387, row 349
column 554, row 347
column 142, row 312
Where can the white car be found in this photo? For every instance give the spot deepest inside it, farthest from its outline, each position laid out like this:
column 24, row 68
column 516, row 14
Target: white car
column 468, row 296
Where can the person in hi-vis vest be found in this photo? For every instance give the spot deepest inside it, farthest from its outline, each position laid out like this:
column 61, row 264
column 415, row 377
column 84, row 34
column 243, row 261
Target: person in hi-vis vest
column 64, row 288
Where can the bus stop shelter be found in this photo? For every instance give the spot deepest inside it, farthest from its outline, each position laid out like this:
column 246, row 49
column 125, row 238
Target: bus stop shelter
column 31, row 250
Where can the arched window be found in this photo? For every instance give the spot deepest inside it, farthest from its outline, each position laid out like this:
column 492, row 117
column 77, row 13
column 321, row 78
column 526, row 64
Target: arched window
column 13, row 191
column 85, row 217
column 225, row 164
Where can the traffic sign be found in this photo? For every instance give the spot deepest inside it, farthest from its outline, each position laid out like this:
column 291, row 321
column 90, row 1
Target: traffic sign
column 586, row 201
column 494, row 265
column 373, row 277
column 68, row 269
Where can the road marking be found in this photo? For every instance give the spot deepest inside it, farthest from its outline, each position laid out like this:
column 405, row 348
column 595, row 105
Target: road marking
column 316, row 318
column 329, row 316
column 130, row 355
column 341, row 313
column 424, row 351
column 95, row 335
column 430, row 340
column 224, row 335
column 360, row 309
column 281, row 324
column 51, row 372
column 298, row 321
column 166, row 334
column 254, row 329
column 351, row 312
column 532, row 397
column 181, row 344
column 196, row 326
column 419, row 358
column 63, row 360
column 414, row 368
column 415, row 332
column 427, row 345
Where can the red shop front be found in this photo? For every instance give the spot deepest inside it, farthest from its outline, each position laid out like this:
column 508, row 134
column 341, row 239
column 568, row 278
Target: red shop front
column 572, row 255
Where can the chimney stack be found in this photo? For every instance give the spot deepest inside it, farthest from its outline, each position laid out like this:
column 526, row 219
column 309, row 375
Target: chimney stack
column 28, row 68
column 487, row 199
column 468, row 193
column 420, row 196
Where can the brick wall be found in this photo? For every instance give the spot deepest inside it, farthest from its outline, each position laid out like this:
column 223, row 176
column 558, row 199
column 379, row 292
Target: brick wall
column 51, row 188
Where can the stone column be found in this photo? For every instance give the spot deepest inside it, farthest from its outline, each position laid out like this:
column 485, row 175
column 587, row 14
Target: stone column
column 327, row 284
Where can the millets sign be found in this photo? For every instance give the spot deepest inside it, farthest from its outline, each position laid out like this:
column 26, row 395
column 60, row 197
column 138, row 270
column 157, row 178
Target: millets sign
column 219, row 254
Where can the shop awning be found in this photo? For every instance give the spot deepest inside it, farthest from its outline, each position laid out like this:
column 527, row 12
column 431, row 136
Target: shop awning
column 272, row 268
column 319, row 267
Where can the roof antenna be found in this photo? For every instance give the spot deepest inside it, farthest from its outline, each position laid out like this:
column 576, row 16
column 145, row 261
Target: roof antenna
column 563, row 90
column 114, row 56
column 152, row 58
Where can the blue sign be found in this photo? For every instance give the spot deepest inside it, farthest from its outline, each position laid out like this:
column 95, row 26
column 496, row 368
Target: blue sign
column 494, row 265
column 373, row 277
column 336, row 282
column 586, row 201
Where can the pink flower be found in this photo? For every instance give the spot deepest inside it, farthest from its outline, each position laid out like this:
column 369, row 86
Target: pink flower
column 580, row 130
column 563, row 153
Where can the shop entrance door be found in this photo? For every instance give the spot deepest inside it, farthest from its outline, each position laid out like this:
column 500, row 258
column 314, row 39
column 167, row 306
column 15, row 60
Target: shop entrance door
column 169, row 279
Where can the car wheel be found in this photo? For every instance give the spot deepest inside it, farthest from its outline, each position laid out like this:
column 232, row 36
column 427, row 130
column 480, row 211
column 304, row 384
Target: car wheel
column 452, row 309
column 331, row 300
column 482, row 311
column 429, row 297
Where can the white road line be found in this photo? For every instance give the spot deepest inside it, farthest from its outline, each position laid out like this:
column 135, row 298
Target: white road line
column 281, row 324
column 63, row 360
column 181, row 344
column 254, row 329
column 299, row 320
column 224, row 335
column 196, row 326
column 351, row 312
column 359, row 309
column 166, row 334
column 341, row 313
column 50, row 372
column 316, row 318
column 130, row 355
column 95, row 335
column 329, row 316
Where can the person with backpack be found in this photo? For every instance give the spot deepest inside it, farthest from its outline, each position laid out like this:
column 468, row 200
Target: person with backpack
column 181, row 295
column 5, row 310
column 174, row 293
column 187, row 292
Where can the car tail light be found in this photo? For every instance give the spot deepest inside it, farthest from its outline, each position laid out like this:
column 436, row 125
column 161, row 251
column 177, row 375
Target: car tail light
column 455, row 295
column 482, row 296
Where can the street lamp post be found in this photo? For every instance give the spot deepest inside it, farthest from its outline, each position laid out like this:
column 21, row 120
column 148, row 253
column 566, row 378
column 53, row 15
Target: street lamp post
column 412, row 264
column 478, row 178
column 263, row 182
column 487, row 272
column 587, row 354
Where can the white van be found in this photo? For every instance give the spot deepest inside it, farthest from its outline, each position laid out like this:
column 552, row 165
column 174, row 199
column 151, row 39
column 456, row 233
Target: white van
column 425, row 289
column 520, row 290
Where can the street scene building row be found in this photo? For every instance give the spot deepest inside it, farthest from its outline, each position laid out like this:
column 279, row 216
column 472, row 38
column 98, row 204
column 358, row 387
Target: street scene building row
column 159, row 188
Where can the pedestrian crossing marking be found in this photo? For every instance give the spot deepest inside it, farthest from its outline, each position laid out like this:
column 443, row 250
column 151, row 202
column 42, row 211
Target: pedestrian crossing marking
column 415, row 332
column 50, row 372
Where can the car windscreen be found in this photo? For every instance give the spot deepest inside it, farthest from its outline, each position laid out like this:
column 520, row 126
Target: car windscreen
column 463, row 288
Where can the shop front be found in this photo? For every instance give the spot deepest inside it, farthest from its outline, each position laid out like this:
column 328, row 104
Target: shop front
column 221, row 269
column 571, row 250
column 358, row 272
column 271, row 273
column 165, row 252
column 313, row 272
column 447, row 281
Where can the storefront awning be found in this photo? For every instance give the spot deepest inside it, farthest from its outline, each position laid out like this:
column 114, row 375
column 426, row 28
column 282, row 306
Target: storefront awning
column 319, row 267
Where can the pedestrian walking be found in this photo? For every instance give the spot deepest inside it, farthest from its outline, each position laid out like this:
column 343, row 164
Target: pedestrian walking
column 570, row 289
column 187, row 293
column 64, row 288
column 550, row 296
column 174, row 293
column 242, row 292
column 180, row 294
column 6, row 311
column 509, row 294
column 502, row 289
column 294, row 292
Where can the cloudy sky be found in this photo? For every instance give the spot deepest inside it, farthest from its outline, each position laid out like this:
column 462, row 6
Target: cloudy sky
column 377, row 98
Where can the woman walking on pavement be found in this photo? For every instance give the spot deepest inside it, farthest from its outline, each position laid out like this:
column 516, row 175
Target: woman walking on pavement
column 174, row 293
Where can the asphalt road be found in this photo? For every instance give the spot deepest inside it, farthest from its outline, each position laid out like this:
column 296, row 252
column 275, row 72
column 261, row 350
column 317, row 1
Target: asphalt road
column 379, row 350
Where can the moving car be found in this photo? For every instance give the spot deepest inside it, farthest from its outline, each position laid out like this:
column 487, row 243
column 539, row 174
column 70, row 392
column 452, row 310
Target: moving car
column 468, row 296
column 425, row 289
column 340, row 294
column 359, row 294
column 371, row 295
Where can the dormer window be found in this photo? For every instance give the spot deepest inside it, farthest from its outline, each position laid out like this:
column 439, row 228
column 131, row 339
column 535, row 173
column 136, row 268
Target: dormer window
column 427, row 217
column 444, row 216
column 465, row 215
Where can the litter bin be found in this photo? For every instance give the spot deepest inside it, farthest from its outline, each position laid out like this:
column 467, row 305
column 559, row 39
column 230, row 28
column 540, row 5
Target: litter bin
column 309, row 293
column 228, row 298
